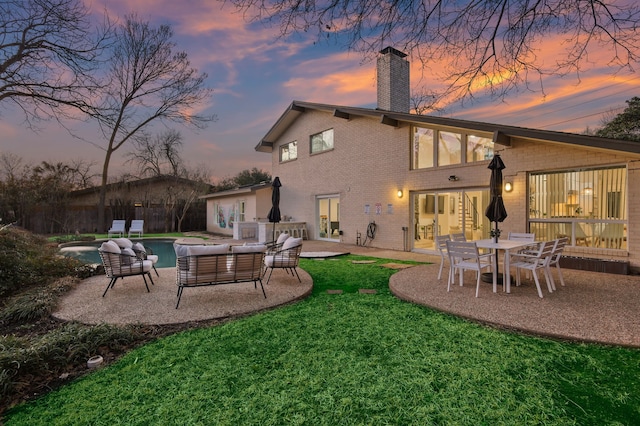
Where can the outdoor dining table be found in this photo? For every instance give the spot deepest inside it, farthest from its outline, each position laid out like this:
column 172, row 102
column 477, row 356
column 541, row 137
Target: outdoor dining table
column 506, row 246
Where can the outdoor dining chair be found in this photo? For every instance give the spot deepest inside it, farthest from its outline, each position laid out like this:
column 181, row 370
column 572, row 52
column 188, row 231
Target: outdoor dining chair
column 464, row 256
column 556, row 254
column 522, row 236
column 534, row 262
column 458, row 236
column 441, row 245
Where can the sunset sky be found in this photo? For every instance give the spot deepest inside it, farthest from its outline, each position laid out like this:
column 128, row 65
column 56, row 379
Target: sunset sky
column 255, row 77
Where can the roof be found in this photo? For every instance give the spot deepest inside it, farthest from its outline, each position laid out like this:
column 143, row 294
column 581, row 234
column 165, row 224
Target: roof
column 248, row 189
column 502, row 133
column 140, row 182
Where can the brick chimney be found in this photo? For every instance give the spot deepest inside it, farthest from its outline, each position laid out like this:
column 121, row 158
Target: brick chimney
column 393, row 81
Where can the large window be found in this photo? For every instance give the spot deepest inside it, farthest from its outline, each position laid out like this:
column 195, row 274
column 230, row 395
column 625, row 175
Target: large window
column 479, row 148
column 431, row 147
column 423, row 152
column 289, row 151
column 322, row 141
column 588, row 205
column 449, row 148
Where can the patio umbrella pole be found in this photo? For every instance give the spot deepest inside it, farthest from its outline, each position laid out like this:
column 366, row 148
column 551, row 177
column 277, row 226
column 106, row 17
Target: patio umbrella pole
column 274, row 213
column 495, row 211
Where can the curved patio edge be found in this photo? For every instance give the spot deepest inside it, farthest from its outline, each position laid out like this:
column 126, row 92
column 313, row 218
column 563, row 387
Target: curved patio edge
column 129, row 303
column 591, row 308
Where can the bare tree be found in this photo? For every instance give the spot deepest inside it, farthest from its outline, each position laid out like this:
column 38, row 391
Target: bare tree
column 423, row 101
column 149, row 83
column 477, row 45
column 83, row 174
column 48, row 50
column 158, row 155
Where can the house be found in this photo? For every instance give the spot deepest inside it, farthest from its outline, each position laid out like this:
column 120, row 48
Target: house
column 391, row 179
column 227, row 211
column 157, row 200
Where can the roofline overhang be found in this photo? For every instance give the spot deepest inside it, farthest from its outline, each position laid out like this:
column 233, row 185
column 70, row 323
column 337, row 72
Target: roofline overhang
column 501, row 134
column 237, row 191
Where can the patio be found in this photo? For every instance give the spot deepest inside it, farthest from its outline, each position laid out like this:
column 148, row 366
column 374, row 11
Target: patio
column 593, row 307
column 129, row 303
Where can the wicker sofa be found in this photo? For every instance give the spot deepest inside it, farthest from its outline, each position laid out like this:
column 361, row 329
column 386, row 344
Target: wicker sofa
column 202, row 265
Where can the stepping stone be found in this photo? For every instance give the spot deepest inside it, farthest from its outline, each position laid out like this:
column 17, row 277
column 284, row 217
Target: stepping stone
column 367, row 291
column 362, row 262
column 397, row 265
column 334, row 291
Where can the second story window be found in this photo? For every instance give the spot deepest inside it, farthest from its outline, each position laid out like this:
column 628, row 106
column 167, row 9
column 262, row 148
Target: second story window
column 432, row 147
column 479, row 148
column 322, row 141
column 289, row 151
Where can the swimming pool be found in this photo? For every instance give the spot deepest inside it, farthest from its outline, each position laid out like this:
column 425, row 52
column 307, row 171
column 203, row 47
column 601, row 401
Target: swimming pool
column 87, row 252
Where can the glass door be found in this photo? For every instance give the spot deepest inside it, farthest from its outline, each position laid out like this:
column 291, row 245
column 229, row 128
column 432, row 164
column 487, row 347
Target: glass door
column 328, row 215
column 443, row 213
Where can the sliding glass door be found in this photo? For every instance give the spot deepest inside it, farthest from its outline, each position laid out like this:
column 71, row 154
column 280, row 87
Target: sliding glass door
column 442, row 213
column 328, row 217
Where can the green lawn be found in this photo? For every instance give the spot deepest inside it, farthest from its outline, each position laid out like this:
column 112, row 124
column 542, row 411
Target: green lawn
column 351, row 359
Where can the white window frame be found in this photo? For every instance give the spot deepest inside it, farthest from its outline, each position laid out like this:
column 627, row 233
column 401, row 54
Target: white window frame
column 436, row 143
column 291, row 150
column 323, row 142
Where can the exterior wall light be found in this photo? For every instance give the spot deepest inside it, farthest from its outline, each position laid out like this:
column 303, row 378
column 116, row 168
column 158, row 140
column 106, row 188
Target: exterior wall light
column 508, row 187
column 400, row 193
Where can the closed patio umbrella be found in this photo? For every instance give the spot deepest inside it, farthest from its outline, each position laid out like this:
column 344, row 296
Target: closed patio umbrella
column 274, row 213
column 495, row 211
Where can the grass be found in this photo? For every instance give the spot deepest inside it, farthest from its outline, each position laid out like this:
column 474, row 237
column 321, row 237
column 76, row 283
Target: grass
column 351, row 359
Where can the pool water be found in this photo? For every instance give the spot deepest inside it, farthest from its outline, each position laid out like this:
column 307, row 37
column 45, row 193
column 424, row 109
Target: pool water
column 88, row 252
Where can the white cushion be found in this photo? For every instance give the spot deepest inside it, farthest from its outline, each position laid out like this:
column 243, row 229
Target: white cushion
column 216, row 249
column 282, row 238
column 181, row 250
column 139, row 247
column 110, row 247
column 128, row 252
column 153, row 258
column 249, row 249
column 291, row 242
column 123, row 242
column 200, row 264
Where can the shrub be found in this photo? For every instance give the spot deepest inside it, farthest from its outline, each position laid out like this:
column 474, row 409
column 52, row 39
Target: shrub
column 52, row 353
column 27, row 259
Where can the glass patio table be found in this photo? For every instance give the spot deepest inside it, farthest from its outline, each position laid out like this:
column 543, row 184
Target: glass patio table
column 506, row 246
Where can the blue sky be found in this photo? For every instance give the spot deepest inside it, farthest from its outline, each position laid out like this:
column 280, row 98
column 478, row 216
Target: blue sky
column 255, row 77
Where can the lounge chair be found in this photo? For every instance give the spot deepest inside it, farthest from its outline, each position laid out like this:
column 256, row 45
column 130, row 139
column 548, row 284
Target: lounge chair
column 117, row 228
column 137, row 227
column 286, row 257
column 120, row 263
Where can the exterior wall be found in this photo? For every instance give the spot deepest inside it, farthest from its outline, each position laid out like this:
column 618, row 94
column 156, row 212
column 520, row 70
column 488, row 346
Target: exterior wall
column 257, row 205
column 371, row 161
column 366, row 166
